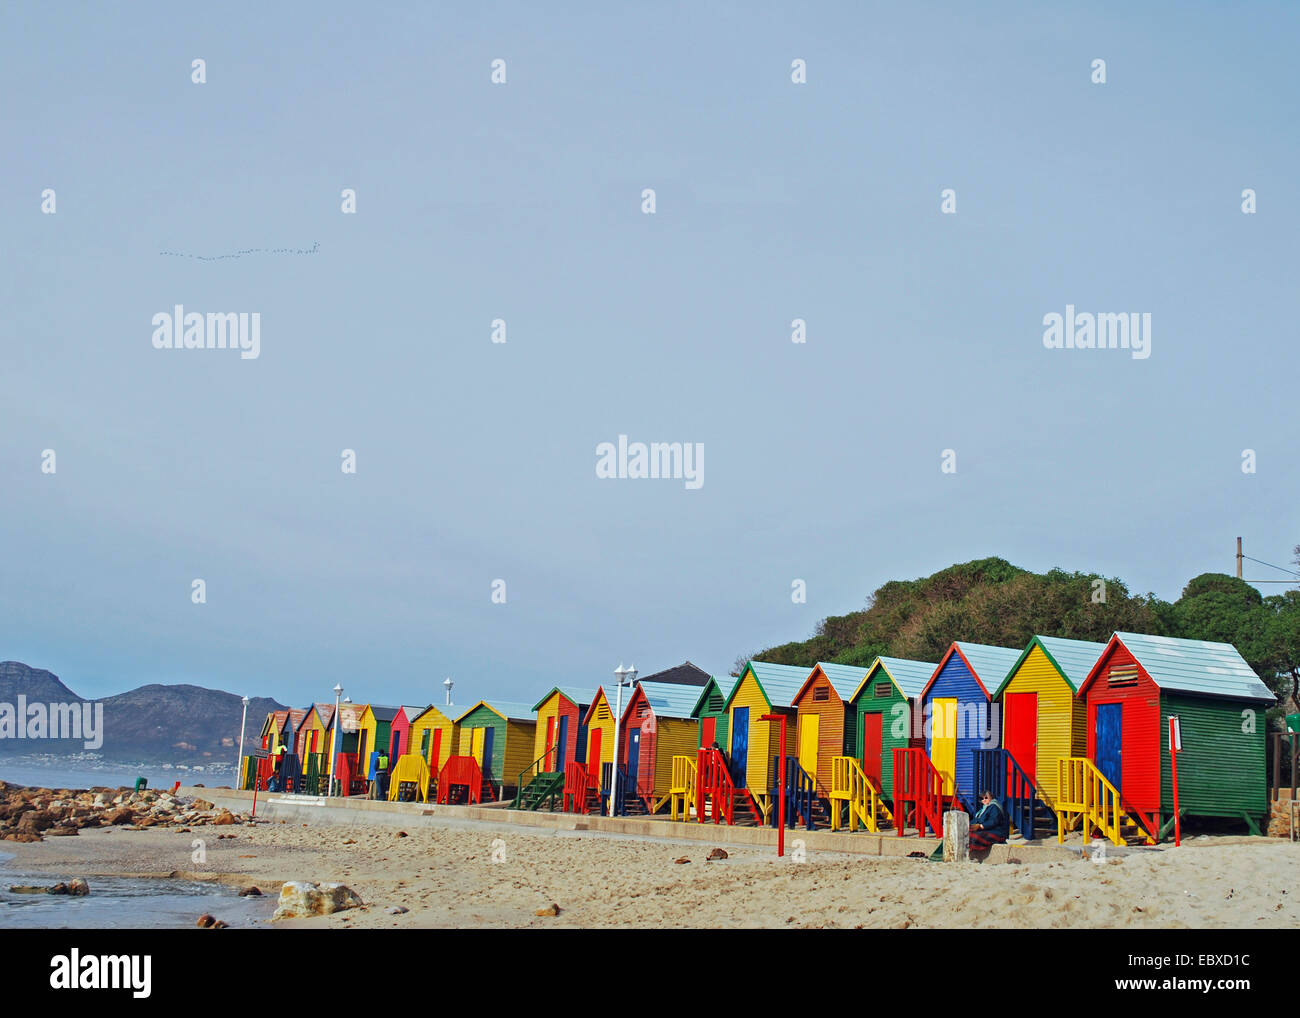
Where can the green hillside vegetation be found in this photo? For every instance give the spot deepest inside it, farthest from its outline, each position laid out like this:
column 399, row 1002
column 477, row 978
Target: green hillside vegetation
column 992, row 601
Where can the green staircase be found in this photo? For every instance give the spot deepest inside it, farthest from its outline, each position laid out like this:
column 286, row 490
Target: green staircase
column 547, row 785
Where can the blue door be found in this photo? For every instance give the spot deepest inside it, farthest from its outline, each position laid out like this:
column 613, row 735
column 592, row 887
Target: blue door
column 580, row 750
column 633, row 759
column 487, row 752
column 739, row 744
column 1110, row 742
column 560, row 758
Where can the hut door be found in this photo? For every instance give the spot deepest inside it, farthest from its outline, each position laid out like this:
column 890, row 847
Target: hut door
column 739, row 744
column 809, row 729
column 476, row 745
column 489, row 734
column 943, row 740
column 708, row 732
column 437, row 749
column 550, row 744
column 872, row 746
column 593, row 756
column 1021, row 730
column 633, row 758
column 560, row 758
column 1110, row 742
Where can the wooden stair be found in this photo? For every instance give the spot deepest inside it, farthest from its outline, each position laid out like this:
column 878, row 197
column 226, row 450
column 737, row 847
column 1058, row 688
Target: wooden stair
column 854, row 792
column 1084, row 795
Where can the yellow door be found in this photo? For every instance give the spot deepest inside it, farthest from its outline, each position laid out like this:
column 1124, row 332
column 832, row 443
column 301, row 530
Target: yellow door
column 809, row 725
column 943, row 740
column 476, row 747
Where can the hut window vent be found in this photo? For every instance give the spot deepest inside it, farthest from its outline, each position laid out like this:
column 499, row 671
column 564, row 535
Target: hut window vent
column 642, row 710
column 882, row 689
column 1123, row 676
column 715, row 702
column 821, row 693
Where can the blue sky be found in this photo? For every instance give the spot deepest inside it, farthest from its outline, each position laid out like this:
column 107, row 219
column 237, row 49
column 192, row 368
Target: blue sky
column 522, row 201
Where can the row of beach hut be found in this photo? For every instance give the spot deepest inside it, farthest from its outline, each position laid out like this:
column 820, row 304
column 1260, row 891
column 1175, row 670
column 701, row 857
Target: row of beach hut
column 1069, row 730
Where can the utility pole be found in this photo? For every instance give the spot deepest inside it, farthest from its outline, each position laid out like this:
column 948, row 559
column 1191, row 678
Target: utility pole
column 1239, row 558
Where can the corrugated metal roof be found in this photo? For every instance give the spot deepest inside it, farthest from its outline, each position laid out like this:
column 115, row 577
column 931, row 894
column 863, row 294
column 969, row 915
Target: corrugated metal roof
column 671, row 699
column 909, row 676
column 294, row 719
column 1196, row 666
column 511, row 709
column 991, row 664
column 382, row 712
column 1073, row 658
column 412, row 712
column 781, row 683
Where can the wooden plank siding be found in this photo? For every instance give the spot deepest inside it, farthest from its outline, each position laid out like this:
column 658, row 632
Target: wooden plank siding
column 956, row 679
column 713, row 705
column 1221, row 767
column 433, row 720
column 673, row 737
column 763, row 742
column 818, row 699
column 600, row 718
column 1140, row 745
column 558, row 705
column 879, row 695
column 1062, row 718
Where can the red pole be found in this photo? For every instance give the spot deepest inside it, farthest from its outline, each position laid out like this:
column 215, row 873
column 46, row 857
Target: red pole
column 780, row 786
column 1173, row 763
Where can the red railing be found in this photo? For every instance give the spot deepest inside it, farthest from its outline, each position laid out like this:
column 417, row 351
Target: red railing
column 345, row 771
column 578, row 784
column 714, row 786
column 461, row 770
column 916, row 782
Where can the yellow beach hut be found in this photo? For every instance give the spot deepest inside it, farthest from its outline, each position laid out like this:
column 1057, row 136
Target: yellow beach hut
column 761, row 688
column 434, row 734
column 1043, row 721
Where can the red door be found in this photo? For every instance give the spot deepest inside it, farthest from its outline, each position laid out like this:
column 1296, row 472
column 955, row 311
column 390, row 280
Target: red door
column 436, row 753
column 593, row 753
column 872, row 742
column 708, row 733
column 1021, row 733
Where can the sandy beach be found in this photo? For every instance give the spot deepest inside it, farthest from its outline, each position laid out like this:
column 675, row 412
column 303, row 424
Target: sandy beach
column 444, row 874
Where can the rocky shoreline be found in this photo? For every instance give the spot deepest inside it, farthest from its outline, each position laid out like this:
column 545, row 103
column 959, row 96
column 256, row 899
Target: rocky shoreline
column 34, row 814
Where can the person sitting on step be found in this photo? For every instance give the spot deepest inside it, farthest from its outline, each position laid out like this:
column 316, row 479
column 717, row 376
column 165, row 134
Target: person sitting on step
column 990, row 826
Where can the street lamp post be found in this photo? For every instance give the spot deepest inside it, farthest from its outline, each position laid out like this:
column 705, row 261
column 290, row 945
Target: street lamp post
column 239, row 761
column 334, row 742
column 620, row 673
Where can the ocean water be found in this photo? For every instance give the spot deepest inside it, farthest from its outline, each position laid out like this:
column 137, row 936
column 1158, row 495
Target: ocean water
column 20, row 772
column 122, row 903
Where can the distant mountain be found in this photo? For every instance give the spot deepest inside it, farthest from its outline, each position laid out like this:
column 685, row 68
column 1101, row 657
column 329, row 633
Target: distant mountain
column 152, row 724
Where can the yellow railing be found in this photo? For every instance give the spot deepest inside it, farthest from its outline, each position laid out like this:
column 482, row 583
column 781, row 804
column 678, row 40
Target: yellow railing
column 411, row 767
column 850, row 784
column 1084, row 793
column 681, row 793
